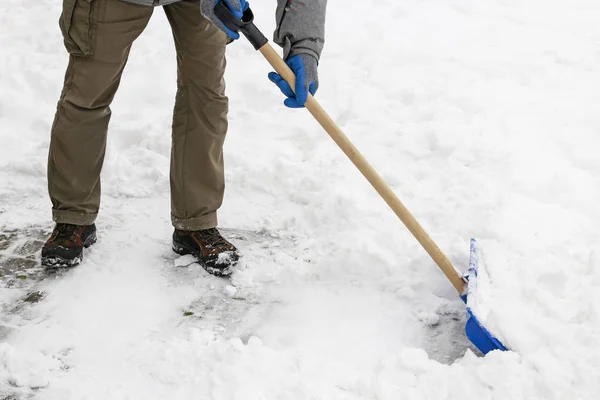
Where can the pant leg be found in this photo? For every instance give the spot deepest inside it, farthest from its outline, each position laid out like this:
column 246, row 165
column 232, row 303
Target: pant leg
column 199, row 120
column 98, row 35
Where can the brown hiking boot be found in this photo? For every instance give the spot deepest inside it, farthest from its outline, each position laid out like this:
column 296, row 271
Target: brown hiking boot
column 65, row 246
column 216, row 255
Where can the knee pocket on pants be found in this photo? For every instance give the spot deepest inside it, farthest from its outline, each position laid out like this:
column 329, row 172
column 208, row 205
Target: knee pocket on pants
column 77, row 24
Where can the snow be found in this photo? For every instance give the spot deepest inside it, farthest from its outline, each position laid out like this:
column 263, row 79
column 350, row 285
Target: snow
column 481, row 115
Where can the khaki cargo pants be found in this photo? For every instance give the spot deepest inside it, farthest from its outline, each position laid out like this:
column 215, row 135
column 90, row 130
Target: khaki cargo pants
column 98, row 35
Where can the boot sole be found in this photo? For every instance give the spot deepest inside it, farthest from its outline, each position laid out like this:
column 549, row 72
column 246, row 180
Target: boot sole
column 61, row 262
column 184, row 251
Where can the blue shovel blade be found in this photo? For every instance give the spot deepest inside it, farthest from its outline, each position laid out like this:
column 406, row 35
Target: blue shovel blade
column 476, row 332
column 481, row 337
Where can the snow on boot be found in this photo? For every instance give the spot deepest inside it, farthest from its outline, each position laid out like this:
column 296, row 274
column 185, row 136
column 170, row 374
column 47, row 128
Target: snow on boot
column 216, row 255
column 65, row 247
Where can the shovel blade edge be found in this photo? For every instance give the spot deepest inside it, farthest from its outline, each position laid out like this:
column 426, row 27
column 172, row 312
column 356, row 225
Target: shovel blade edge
column 481, row 337
column 476, row 332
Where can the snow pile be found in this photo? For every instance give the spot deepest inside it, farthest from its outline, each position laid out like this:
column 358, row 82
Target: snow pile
column 481, row 115
column 23, row 368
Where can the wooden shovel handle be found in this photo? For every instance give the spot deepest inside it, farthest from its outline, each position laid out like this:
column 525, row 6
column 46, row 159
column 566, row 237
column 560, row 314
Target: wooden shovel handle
column 367, row 170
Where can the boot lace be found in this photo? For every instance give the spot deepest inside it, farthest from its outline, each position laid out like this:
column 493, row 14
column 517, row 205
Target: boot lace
column 214, row 238
column 64, row 231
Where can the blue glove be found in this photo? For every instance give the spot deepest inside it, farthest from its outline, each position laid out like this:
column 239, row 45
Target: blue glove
column 304, row 67
column 237, row 7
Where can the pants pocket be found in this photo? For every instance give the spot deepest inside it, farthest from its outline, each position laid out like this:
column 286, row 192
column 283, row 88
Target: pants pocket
column 77, row 27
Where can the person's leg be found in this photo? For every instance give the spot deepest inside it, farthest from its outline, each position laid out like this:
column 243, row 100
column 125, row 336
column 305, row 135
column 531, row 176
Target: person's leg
column 199, row 120
column 98, row 35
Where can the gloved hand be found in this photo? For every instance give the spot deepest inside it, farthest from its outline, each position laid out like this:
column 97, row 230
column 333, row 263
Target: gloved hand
column 307, row 80
column 237, row 7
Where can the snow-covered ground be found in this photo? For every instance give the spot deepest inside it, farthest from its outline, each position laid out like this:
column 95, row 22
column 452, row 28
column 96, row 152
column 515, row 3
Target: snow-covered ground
column 481, row 114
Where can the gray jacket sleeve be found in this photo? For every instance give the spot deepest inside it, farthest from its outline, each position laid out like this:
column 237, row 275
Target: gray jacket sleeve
column 300, row 27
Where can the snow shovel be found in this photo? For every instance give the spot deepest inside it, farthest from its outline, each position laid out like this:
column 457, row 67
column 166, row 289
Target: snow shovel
column 465, row 285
